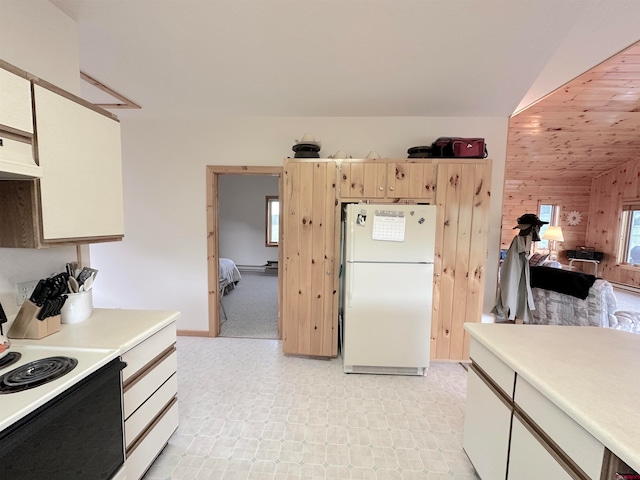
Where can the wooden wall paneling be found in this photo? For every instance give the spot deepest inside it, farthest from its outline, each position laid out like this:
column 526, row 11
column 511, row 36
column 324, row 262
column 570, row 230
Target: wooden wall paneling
column 607, row 193
column 291, row 296
column 370, row 181
column 18, row 215
column 415, row 179
column 428, row 181
column 478, row 250
column 523, row 196
column 464, row 198
column 448, row 191
column 331, row 222
column 305, row 268
column 441, row 177
column 631, row 184
column 381, row 180
column 357, row 180
column 344, row 184
column 596, row 214
column 318, row 313
column 310, row 284
column 400, row 173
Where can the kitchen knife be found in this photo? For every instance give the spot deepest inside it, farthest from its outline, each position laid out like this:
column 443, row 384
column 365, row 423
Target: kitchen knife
column 85, row 273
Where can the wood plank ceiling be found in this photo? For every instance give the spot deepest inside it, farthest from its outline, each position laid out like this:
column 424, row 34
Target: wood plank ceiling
column 583, row 129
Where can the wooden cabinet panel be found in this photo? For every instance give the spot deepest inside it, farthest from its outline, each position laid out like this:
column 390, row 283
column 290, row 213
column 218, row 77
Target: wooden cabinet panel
column 382, row 179
column 462, row 197
column 80, row 157
column 309, row 316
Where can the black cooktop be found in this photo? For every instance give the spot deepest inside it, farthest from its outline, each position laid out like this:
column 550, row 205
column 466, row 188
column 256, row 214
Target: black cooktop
column 9, row 359
column 36, row 373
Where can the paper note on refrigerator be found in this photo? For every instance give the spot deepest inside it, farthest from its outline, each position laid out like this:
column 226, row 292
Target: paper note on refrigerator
column 388, row 226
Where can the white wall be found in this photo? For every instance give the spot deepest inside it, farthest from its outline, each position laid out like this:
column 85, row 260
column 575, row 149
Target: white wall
column 242, row 217
column 37, row 37
column 162, row 261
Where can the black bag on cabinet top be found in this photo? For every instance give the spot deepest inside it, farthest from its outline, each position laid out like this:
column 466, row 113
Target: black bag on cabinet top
column 459, row 147
column 420, row 152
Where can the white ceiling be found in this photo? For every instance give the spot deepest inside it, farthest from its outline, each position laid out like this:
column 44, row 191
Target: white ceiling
column 344, row 57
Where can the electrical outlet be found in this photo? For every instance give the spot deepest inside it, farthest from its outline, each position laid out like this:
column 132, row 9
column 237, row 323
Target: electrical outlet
column 24, row 290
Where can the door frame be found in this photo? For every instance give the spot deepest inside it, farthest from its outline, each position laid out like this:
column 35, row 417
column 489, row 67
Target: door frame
column 213, row 239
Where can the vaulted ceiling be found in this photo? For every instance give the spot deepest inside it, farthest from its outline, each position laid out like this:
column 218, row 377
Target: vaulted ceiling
column 585, row 128
column 483, row 58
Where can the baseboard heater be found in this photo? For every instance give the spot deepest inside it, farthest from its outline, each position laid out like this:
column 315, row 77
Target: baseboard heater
column 251, row 268
column 384, row 370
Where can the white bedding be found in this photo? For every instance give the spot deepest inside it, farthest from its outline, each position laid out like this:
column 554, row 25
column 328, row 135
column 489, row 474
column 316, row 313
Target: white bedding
column 229, row 274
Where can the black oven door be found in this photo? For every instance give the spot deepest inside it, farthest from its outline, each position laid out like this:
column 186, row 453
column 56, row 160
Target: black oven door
column 76, row 436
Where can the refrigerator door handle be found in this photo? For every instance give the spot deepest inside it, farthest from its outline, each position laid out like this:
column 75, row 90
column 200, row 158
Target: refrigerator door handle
column 350, row 290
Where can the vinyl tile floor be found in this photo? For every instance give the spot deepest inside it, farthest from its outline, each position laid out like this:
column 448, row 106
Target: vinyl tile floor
column 249, row 412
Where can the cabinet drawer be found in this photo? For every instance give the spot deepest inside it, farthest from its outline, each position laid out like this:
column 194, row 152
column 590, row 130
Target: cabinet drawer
column 495, row 368
column 143, row 387
column 144, row 415
column 152, row 444
column 146, row 352
column 576, row 442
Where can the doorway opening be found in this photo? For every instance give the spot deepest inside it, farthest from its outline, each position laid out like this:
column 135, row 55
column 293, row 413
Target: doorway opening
column 245, row 286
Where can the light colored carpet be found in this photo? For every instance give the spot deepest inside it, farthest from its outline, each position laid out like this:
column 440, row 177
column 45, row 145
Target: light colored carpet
column 628, row 301
column 252, row 308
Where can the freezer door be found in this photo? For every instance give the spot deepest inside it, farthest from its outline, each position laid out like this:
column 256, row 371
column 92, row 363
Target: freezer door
column 390, row 233
column 387, row 314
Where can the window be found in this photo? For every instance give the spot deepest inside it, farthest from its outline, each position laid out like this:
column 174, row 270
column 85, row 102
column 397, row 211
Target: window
column 629, row 250
column 547, row 212
column 273, row 221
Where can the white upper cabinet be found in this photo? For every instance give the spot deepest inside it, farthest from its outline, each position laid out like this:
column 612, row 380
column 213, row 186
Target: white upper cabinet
column 15, row 102
column 80, row 156
column 16, row 128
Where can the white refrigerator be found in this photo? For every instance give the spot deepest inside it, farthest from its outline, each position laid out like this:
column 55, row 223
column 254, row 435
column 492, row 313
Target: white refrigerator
column 387, row 288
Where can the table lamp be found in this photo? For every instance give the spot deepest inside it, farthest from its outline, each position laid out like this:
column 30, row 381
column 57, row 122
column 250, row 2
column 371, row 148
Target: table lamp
column 553, row 234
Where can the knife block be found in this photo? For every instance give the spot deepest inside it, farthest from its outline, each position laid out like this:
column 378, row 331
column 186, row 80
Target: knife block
column 27, row 325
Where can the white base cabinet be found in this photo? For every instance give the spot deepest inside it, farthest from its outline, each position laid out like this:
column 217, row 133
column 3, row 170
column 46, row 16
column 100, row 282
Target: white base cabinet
column 512, row 431
column 149, row 400
column 486, row 428
column 529, row 459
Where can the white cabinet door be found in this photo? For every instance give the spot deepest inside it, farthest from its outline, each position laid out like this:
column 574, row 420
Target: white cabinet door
column 15, row 102
column 16, row 128
column 487, row 422
column 529, row 460
column 80, row 157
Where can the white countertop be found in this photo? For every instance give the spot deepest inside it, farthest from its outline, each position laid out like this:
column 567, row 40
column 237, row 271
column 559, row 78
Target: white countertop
column 108, row 328
column 590, row 373
column 106, row 335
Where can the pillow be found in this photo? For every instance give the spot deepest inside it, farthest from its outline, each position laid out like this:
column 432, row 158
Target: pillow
column 537, row 259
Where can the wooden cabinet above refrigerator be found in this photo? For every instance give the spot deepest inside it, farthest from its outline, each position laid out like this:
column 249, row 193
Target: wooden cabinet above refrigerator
column 314, row 191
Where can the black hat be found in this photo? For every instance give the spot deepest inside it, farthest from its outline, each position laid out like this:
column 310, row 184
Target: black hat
column 528, row 220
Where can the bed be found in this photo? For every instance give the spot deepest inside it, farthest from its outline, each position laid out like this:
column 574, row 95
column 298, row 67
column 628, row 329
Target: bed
column 228, row 275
